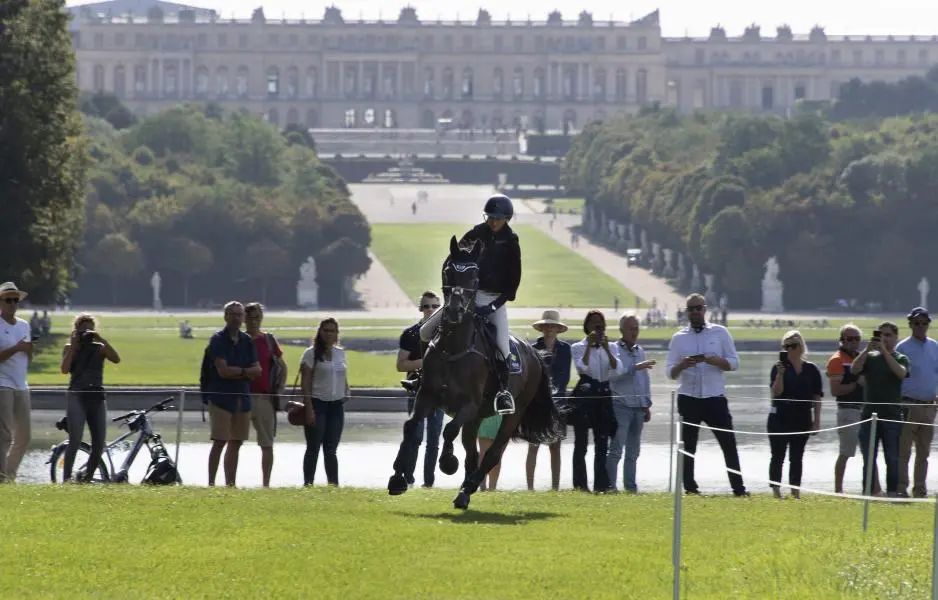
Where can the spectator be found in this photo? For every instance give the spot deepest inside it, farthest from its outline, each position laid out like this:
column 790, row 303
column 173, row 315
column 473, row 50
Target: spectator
column 83, row 358
column 595, row 361
column 34, row 324
column 918, row 392
column 266, row 389
column 410, row 360
column 46, row 323
column 557, row 357
column 631, row 404
column 883, row 369
column 234, row 358
column 846, row 388
column 324, row 372
column 698, row 355
column 16, row 352
column 488, row 429
column 796, row 396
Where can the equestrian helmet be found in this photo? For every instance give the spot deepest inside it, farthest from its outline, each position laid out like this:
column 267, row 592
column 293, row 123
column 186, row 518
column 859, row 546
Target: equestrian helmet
column 499, row 206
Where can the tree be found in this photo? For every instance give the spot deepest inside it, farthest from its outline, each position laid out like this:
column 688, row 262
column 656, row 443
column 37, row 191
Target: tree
column 339, row 260
column 117, row 258
column 268, row 260
column 186, row 257
column 42, row 154
column 253, row 150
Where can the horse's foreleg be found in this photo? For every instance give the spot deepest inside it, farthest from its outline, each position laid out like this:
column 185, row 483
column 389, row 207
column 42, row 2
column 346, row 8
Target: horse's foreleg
column 470, row 438
column 406, row 460
column 492, row 456
column 449, row 464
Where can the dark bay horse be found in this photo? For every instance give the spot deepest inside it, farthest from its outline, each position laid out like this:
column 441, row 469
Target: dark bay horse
column 457, row 378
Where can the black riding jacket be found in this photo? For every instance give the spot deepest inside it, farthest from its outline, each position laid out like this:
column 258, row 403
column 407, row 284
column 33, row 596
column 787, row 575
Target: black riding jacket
column 499, row 262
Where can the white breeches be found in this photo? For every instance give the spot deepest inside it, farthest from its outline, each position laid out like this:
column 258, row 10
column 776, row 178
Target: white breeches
column 499, row 318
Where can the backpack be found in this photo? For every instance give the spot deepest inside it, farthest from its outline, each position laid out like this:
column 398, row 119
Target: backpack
column 206, row 375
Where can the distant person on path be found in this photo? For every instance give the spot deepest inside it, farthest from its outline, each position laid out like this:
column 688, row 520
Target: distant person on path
column 698, row 356
column 557, row 356
column 488, row 429
column 615, row 304
column 46, row 323
column 884, row 370
column 846, row 388
column 324, row 373
column 266, row 389
column 413, row 208
column 796, row 407
column 34, row 324
column 596, row 361
column 83, row 358
column 234, row 358
column 918, row 391
column 499, row 278
column 16, row 352
column 631, row 404
column 410, row 360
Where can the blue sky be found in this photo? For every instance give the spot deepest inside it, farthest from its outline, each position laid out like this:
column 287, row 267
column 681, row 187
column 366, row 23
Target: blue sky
column 678, row 17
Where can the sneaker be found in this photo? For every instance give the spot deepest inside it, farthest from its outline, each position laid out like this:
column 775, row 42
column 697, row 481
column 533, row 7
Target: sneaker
column 691, row 492
column 504, row 403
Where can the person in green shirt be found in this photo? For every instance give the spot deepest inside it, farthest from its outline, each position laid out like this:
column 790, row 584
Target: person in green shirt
column 883, row 370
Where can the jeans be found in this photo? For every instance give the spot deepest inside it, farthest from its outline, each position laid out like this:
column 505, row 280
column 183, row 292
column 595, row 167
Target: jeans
column 595, row 414
column 432, row 450
column 888, row 434
column 84, row 407
column 918, row 434
column 793, row 444
column 629, row 423
column 715, row 412
column 326, row 432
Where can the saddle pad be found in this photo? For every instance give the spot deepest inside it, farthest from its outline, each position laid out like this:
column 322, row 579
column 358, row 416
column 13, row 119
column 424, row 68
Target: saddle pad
column 515, row 366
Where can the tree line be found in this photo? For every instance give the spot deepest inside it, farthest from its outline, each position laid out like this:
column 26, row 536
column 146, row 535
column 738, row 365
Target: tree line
column 847, row 206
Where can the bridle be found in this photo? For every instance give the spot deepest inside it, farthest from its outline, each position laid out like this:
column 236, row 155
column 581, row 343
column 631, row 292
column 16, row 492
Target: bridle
column 460, row 299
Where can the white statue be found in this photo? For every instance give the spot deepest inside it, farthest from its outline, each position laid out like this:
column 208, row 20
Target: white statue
column 772, row 288
column 307, row 290
column 155, row 283
column 923, row 289
column 668, row 262
column 709, row 291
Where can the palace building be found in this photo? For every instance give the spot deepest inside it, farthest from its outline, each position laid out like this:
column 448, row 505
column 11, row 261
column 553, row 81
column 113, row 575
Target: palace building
column 410, row 73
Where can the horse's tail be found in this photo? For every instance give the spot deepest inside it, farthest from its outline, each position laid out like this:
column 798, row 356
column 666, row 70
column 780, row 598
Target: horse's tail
column 542, row 422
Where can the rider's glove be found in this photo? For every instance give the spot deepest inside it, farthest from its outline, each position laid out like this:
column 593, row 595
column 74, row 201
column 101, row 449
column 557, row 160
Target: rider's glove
column 485, row 310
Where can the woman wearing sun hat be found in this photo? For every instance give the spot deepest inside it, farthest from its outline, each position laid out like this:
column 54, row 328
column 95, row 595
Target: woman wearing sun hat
column 557, row 355
column 16, row 351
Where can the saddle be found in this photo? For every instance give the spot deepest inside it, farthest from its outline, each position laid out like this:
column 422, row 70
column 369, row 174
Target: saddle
column 490, row 341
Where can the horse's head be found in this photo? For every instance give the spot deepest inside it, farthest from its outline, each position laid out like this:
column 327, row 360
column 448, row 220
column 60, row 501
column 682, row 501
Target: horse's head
column 460, row 281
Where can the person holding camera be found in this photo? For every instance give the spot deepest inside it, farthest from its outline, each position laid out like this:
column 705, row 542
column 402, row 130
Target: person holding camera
column 795, row 409
column 595, row 360
column 883, row 369
column 698, row 355
column 410, row 360
column 16, row 352
column 83, row 359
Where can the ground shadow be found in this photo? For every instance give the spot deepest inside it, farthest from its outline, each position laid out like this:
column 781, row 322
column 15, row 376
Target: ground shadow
column 472, row 517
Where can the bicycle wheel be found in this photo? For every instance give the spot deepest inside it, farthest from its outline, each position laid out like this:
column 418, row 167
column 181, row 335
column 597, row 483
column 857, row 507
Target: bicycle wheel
column 57, row 464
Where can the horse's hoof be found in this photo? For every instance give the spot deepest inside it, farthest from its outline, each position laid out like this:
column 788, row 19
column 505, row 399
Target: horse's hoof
column 397, row 485
column 462, row 500
column 449, row 464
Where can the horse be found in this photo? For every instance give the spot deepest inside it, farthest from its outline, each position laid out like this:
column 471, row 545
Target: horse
column 458, row 377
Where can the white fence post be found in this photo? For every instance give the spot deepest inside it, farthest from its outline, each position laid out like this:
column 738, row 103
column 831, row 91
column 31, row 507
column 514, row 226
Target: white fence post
column 180, row 409
column 870, row 462
column 671, row 452
column 934, row 556
column 676, row 531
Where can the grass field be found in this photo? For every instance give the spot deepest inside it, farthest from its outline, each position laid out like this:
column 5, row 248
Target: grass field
column 350, row 543
column 553, row 274
column 568, row 205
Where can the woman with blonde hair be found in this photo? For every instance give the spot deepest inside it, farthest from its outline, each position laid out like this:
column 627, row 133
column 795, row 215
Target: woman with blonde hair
column 795, row 410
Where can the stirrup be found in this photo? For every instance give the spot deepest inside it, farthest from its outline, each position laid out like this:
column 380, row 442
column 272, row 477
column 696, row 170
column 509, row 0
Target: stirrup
column 504, row 403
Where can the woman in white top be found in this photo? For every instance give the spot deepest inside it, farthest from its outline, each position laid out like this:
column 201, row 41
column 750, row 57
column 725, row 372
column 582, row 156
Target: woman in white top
column 325, row 387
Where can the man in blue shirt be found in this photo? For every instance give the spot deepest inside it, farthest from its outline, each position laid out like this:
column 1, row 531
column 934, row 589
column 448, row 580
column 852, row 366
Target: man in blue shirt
column 918, row 390
column 235, row 363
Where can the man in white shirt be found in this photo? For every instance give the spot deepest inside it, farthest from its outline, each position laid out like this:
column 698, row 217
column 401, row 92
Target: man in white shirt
column 16, row 350
column 698, row 355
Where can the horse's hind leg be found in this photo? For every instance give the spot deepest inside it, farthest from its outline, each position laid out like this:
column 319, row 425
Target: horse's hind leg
column 406, row 460
column 449, row 464
column 491, row 458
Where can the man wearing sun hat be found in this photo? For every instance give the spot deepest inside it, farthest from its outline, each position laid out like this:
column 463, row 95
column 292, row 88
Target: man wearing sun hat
column 16, row 350
column 918, row 393
column 558, row 357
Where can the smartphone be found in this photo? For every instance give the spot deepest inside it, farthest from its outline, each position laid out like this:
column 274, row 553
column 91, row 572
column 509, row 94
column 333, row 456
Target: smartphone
column 783, row 356
column 699, row 357
column 35, row 338
column 877, row 334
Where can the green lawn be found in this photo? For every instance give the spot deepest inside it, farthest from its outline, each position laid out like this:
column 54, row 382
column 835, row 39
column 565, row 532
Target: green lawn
column 553, row 275
column 76, row 541
column 568, row 205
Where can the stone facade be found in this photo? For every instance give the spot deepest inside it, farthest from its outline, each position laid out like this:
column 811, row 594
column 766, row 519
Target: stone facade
column 481, row 74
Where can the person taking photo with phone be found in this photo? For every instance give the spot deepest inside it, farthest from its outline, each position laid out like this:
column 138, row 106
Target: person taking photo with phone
column 795, row 409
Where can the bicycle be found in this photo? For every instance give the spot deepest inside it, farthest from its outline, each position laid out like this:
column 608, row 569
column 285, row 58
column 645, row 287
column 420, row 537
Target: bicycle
column 162, row 469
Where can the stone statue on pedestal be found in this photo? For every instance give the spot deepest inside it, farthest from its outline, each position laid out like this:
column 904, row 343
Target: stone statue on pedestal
column 772, row 288
column 710, row 292
column 668, row 263
column 695, row 281
column 156, row 282
column 923, row 289
column 307, row 289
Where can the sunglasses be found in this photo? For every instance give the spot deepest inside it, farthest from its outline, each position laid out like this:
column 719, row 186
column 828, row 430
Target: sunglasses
column 791, row 346
column 428, row 306
column 852, row 338
column 12, row 300
column 919, row 323
column 697, row 307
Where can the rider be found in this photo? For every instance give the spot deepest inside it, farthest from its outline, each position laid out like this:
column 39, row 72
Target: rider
column 499, row 277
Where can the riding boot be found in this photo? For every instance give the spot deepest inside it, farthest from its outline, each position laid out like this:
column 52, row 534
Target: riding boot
column 504, row 401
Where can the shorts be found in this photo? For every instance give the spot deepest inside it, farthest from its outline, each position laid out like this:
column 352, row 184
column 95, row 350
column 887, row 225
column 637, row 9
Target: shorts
column 849, row 436
column 228, row 426
column 489, row 426
column 264, row 419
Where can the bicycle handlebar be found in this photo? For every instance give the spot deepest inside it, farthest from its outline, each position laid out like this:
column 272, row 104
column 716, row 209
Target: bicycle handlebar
column 159, row 406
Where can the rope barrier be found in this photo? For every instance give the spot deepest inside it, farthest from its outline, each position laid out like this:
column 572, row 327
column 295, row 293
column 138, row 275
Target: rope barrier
column 825, row 492
column 702, row 426
column 908, row 422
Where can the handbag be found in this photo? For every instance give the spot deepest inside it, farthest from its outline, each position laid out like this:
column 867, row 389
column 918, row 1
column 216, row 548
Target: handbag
column 278, row 373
